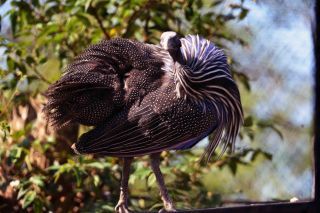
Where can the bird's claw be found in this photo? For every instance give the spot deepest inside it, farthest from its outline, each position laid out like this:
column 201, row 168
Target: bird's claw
column 121, row 207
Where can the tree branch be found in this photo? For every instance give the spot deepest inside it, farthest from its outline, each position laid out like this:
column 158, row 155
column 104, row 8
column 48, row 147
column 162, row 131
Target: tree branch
column 40, row 76
column 100, row 23
column 70, row 47
column 146, row 28
column 136, row 14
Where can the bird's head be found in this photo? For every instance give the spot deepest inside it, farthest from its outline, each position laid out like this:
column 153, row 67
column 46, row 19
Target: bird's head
column 170, row 41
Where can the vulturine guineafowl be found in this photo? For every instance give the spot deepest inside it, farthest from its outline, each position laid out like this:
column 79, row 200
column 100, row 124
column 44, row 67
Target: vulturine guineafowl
column 143, row 99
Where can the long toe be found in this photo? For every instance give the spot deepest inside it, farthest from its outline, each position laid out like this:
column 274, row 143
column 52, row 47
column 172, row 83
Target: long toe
column 122, row 208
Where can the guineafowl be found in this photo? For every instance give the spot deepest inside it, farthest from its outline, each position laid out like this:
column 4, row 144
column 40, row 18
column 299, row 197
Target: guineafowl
column 143, row 99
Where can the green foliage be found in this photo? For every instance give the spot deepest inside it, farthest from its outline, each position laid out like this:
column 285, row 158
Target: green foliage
column 43, row 36
column 253, row 125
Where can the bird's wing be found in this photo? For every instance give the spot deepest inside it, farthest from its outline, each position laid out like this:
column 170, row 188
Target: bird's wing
column 92, row 88
column 145, row 133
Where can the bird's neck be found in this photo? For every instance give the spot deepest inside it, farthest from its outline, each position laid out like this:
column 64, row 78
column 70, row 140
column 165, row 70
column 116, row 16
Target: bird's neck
column 181, row 74
column 185, row 87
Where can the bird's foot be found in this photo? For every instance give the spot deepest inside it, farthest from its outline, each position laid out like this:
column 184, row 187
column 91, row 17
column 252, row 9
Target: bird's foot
column 167, row 209
column 122, row 207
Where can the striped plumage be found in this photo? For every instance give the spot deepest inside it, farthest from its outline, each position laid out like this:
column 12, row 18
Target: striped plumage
column 207, row 78
column 143, row 98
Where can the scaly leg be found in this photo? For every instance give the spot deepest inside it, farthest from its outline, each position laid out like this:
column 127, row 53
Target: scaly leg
column 122, row 206
column 167, row 202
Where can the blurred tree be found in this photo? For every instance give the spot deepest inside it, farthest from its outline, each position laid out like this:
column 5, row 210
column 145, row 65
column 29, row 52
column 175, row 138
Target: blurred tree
column 37, row 172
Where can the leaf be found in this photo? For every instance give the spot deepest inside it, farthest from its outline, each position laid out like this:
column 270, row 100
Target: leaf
column 277, row 131
column 84, row 18
column 58, row 38
column 43, row 60
column 108, row 208
column 30, row 60
column 22, row 5
column 57, row 176
column 151, row 180
column 54, row 167
column 160, row 23
column 251, row 135
column 21, row 67
column 5, row 129
column 243, row 14
column 87, row 5
column 35, row 2
column 51, row 7
column 248, row 121
column 96, row 180
column 189, row 13
column 244, row 79
column 199, row 3
column 18, row 134
column 233, row 166
column 37, row 180
column 15, row 153
column 10, row 63
column 37, row 206
column 22, row 85
column 49, row 29
column 28, row 199
column 217, row 2
column 77, row 172
column 235, row 6
column 267, row 155
column 142, row 173
column 98, row 165
column 257, row 152
column 21, row 193
column 269, row 124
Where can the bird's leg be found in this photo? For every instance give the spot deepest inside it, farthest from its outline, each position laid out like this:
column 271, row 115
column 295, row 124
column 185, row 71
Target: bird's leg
column 167, row 202
column 122, row 206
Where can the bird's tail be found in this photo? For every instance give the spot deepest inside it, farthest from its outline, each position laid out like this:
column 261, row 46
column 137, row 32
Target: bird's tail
column 87, row 97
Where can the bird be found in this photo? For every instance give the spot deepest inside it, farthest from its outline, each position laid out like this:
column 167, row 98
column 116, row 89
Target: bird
column 143, row 99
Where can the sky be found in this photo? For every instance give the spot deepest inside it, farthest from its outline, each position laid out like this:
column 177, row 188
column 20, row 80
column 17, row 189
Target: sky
column 287, row 44
column 279, row 62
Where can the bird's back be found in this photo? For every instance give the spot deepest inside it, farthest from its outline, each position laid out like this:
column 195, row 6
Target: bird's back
column 161, row 121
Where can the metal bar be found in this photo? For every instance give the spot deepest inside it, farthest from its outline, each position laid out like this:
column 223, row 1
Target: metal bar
column 286, row 207
column 316, row 147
